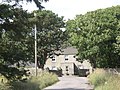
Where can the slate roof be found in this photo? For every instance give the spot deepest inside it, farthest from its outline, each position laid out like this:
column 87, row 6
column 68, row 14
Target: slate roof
column 68, row 51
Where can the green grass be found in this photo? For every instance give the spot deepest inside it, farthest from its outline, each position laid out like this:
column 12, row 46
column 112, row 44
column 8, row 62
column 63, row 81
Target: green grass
column 113, row 83
column 104, row 81
column 44, row 79
column 5, row 86
column 33, row 83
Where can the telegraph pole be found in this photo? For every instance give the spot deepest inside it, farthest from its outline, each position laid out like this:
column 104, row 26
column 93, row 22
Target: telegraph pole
column 35, row 30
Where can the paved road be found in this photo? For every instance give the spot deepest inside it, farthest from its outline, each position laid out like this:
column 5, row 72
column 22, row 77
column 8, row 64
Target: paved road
column 71, row 83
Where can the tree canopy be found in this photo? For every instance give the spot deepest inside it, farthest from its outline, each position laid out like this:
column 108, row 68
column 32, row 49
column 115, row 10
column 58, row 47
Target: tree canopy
column 17, row 38
column 13, row 33
column 96, row 36
column 49, row 33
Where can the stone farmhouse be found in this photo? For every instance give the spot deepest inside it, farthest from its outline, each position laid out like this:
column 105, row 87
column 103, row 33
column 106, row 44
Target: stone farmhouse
column 67, row 62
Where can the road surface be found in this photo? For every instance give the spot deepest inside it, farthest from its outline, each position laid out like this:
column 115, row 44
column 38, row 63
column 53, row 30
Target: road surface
column 71, row 83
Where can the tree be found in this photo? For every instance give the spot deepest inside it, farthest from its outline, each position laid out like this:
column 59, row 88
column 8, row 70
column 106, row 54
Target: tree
column 14, row 30
column 17, row 38
column 96, row 36
column 49, row 33
column 37, row 2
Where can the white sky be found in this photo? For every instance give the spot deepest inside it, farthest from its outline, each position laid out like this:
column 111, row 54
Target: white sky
column 70, row 8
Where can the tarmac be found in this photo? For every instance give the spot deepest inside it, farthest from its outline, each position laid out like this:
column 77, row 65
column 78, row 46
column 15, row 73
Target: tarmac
column 71, row 83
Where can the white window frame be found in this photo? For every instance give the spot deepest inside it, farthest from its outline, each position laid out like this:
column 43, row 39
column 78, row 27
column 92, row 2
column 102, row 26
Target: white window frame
column 53, row 58
column 66, row 57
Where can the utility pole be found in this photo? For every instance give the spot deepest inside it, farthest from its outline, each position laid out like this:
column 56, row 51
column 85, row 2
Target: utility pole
column 35, row 30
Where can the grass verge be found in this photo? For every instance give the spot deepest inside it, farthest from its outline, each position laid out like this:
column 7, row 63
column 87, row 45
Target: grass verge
column 103, row 80
column 33, row 83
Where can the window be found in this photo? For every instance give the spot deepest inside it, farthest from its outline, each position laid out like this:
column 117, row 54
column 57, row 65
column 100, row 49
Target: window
column 54, row 68
column 53, row 58
column 66, row 57
column 66, row 68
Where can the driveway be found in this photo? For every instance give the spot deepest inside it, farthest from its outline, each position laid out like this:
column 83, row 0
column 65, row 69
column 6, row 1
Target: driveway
column 71, row 83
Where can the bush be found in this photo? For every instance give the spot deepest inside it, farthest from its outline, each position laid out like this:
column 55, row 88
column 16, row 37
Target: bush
column 98, row 77
column 44, row 79
column 5, row 86
column 25, row 86
column 33, row 83
column 112, row 83
column 103, row 80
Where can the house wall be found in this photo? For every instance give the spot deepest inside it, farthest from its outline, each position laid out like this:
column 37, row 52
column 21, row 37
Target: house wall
column 58, row 60
column 67, row 68
column 71, row 63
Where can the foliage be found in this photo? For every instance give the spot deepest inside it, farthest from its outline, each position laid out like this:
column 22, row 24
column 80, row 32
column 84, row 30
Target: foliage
column 5, row 87
column 14, row 29
column 50, row 36
column 103, row 80
column 45, row 79
column 17, row 39
column 36, row 83
column 4, row 84
column 96, row 36
column 117, row 44
column 98, row 77
column 112, row 84
column 33, row 83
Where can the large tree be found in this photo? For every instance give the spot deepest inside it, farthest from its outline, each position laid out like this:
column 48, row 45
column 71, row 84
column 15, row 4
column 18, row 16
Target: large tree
column 50, row 36
column 96, row 36
column 14, row 31
column 17, row 38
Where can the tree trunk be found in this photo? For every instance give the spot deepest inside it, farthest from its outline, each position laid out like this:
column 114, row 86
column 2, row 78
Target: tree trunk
column 42, row 60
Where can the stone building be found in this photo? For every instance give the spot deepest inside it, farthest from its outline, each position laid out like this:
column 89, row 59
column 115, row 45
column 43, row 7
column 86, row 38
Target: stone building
column 67, row 62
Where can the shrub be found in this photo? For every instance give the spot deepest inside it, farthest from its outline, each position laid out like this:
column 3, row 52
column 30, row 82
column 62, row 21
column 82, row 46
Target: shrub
column 25, row 86
column 103, row 80
column 98, row 77
column 112, row 83
column 33, row 83
column 44, row 79
column 5, row 86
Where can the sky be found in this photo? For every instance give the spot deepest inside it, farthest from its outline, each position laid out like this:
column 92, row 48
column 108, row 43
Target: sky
column 70, row 8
